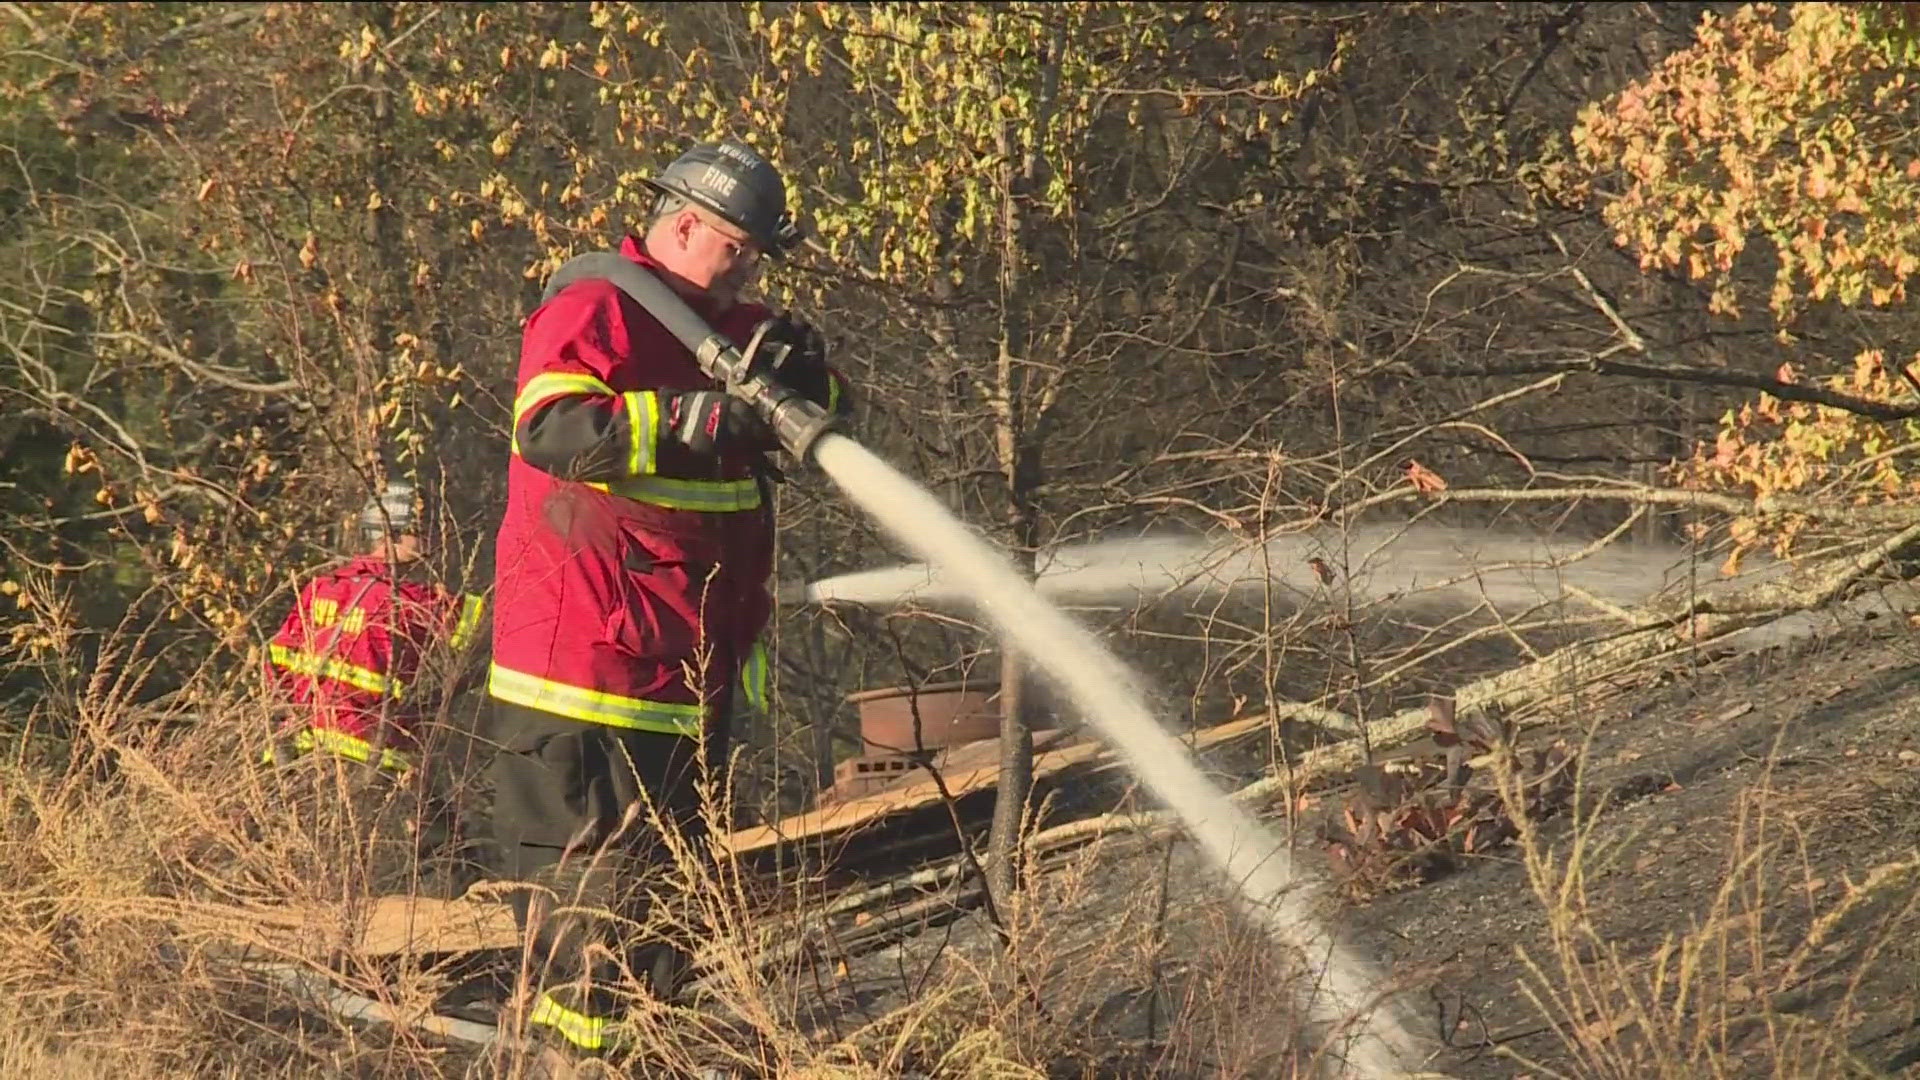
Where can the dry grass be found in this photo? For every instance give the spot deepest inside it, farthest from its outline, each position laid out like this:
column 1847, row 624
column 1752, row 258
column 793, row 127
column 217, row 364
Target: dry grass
column 126, row 899
column 1764, row 979
column 138, row 856
column 1032, row 998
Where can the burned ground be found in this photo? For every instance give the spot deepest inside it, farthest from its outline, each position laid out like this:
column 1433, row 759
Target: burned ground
column 1660, row 928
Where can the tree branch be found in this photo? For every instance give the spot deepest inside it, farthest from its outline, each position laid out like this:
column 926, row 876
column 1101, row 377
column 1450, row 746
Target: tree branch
column 1604, row 364
column 197, row 369
column 1630, row 340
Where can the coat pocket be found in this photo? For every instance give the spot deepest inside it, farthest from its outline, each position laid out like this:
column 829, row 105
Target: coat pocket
column 653, row 616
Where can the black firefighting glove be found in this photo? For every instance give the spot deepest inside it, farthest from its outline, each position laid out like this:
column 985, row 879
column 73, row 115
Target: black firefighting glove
column 713, row 422
column 804, row 368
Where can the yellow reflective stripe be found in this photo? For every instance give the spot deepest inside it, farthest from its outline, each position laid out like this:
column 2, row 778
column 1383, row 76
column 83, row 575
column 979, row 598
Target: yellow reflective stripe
column 833, row 394
column 642, row 408
column 301, row 662
column 713, row 496
column 583, row 1031
column 643, row 421
column 470, row 610
column 592, row 706
column 753, row 677
column 306, row 740
column 551, row 384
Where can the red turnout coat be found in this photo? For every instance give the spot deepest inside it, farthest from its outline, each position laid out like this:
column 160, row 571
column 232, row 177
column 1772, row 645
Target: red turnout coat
column 347, row 654
column 631, row 577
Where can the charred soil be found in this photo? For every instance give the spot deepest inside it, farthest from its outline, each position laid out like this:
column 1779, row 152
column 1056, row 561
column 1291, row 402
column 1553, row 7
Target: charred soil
column 1730, row 891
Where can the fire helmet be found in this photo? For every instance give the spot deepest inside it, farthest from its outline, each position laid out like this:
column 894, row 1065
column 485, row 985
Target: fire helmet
column 394, row 512
column 732, row 180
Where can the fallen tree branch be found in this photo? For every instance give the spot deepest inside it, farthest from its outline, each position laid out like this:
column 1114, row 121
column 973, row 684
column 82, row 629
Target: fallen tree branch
column 1812, row 586
column 952, row 894
column 1893, row 601
column 1601, row 603
column 1576, row 666
column 1861, row 565
column 1766, row 505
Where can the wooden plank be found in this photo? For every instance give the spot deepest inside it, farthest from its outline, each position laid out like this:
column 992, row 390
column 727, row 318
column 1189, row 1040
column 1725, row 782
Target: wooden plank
column 842, row 816
column 852, row 813
column 388, row 925
column 338, row 1001
column 438, row 926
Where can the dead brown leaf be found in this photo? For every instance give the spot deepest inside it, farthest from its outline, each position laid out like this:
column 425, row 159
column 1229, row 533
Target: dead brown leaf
column 1424, row 480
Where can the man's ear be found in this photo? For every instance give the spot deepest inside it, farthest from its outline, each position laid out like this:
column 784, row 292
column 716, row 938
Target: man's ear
column 683, row 225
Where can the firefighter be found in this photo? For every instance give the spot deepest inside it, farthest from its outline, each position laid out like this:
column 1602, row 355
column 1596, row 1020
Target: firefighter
column 348, row 657
column 631, row 575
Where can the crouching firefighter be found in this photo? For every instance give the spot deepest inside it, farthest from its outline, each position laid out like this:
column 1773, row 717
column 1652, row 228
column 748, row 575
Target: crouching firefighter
column 348, row 658
column 632, row 567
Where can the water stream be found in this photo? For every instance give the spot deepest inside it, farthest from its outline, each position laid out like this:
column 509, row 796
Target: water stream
column 1395, row 565
column 1109, row 697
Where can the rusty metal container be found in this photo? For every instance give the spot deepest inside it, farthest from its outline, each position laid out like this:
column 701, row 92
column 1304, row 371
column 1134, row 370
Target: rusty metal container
column 950, row 714
column 958, row 722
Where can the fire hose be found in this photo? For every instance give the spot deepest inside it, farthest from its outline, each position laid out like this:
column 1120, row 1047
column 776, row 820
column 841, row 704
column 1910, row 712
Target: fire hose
column 748, row 375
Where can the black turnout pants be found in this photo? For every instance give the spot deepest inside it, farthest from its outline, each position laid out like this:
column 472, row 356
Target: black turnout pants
column 569, row 816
